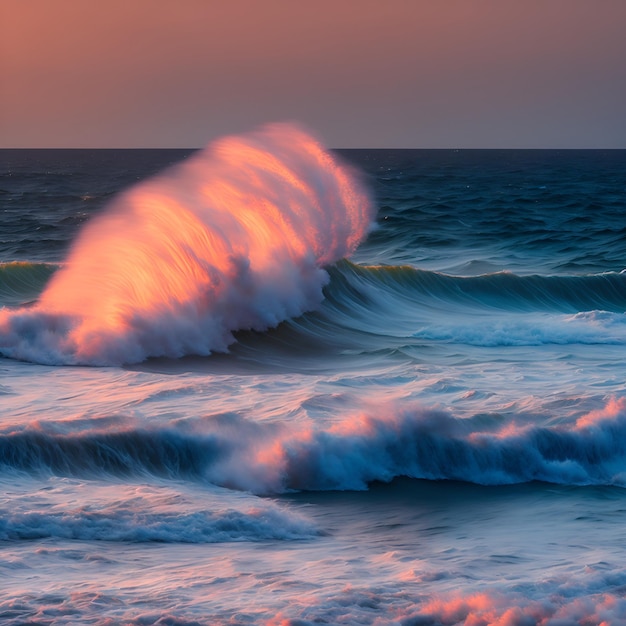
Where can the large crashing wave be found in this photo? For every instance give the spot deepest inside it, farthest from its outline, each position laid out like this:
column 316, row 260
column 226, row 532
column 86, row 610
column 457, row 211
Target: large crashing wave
column 234, row 238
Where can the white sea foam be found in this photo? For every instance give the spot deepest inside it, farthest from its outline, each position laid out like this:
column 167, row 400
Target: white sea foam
column 590, row 327
column 594, row 596
column 597, row 600
column 130, row 525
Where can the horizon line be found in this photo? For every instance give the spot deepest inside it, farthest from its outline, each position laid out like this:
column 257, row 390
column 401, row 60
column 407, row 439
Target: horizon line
column 457, row 148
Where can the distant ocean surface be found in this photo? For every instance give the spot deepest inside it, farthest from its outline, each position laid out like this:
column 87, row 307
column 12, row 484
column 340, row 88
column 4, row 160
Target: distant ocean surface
column 391, row 391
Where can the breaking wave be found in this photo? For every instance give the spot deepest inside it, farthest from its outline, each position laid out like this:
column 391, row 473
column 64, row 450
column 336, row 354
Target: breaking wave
column 236, row 237
column 348, row 454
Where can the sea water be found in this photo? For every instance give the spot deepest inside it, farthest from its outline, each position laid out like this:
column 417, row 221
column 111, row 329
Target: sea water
column 269, row 383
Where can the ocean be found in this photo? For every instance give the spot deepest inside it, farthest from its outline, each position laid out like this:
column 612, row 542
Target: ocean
column 271, row 383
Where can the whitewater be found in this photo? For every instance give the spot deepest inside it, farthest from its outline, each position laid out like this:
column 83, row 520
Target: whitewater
column 271, row 383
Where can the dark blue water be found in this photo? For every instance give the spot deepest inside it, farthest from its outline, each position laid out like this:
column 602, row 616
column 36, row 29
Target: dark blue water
column 47, row 195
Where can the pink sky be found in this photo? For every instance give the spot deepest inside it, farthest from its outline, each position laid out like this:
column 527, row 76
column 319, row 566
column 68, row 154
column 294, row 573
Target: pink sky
column 360, row 73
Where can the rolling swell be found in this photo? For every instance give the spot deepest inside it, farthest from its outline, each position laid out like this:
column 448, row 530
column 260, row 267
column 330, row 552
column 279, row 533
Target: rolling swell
column 22, row 282
column 162, row 453
column 502, row 291
column 384, row 442
column 373, row 308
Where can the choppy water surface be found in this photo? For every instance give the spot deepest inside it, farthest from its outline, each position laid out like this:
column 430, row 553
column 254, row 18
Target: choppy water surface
column 430, row 431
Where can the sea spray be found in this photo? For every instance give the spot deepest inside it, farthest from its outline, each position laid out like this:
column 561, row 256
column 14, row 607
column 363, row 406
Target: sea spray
column 236, row 237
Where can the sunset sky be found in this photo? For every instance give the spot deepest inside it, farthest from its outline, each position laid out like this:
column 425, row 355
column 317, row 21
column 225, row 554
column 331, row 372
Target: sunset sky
column 359, row 73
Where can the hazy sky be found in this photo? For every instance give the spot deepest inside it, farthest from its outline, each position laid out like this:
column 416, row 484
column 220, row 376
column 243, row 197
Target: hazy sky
column 359, row 73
